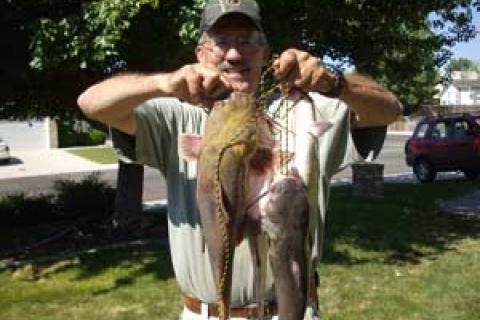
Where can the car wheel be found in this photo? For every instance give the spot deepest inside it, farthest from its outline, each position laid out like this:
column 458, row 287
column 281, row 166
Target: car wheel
column 471, row 175
column 424, row 171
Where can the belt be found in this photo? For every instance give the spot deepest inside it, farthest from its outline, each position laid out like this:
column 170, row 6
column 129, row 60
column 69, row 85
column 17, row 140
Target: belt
column 195, row 306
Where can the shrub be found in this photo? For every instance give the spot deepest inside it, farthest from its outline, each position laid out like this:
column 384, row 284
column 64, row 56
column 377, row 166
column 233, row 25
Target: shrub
column 97, row 137
column 70, row 135
column 18, row 209
column 89, row 197
column 91, row 138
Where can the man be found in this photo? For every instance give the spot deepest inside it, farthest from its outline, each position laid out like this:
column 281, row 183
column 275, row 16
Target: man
column 157, row 108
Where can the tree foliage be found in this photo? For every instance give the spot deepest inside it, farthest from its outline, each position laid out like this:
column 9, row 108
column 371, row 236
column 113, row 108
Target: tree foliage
column 56, row 48
column 463, row 64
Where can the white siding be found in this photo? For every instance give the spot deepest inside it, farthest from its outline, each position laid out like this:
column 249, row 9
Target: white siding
column 21, row 135
column 465, row 96
column 450, row 96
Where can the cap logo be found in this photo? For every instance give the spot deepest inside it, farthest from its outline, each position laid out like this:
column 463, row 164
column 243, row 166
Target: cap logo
column 228, row 2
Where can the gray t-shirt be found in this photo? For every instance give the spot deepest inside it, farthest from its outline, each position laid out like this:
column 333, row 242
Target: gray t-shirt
column 159, row 123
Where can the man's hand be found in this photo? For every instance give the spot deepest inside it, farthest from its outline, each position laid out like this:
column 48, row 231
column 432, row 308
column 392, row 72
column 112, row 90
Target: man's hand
column 301, row 70
column 198, row 84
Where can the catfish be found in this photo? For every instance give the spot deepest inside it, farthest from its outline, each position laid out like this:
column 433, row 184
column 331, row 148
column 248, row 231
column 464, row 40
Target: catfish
column 229, row 143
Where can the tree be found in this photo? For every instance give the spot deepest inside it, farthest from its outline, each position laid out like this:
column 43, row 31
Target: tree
column 462, row 64
column 57, row 48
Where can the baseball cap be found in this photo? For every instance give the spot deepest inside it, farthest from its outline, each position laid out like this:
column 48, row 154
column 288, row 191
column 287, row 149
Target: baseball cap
column 215, row 9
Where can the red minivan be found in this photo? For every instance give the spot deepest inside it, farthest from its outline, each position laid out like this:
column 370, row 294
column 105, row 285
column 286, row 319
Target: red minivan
column 445, row 143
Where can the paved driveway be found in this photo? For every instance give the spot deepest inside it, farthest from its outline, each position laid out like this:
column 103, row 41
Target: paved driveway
column 28, row 163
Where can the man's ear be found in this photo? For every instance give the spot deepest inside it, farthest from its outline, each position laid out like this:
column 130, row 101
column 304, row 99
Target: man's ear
column 200, row 53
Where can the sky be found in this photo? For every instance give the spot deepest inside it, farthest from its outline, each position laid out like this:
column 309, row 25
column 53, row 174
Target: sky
column 471, row 49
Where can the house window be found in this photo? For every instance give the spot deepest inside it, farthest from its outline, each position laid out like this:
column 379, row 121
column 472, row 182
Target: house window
column 475, row 95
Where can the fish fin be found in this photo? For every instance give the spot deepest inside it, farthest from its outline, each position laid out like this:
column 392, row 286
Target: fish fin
column 318, row 128
column 189, row 146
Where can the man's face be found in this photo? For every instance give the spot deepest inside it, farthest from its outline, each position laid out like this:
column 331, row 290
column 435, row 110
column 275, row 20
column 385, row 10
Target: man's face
column 235, row 47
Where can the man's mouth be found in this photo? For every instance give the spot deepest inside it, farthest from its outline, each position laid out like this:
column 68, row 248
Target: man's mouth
column 236, row 74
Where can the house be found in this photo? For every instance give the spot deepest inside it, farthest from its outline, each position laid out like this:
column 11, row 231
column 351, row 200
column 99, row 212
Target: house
column 30, row 134
column 464, row 89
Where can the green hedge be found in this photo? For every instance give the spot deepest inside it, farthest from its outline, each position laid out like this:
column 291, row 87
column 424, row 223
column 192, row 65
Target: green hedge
column 89, row 197
column 68, row 136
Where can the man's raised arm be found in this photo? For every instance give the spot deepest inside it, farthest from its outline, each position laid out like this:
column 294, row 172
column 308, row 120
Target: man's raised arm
column 372, row 105
column 113, row 100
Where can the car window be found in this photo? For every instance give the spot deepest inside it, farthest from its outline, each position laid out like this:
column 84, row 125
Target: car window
column 477, row 120
column 421, row 131
column 439, row 131
column 460, row 129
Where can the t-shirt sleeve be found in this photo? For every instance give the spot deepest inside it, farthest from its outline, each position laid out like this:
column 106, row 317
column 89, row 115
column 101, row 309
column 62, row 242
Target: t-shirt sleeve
column 343, row 145
column 155, row 129
column 368, row 141
column 363, row 144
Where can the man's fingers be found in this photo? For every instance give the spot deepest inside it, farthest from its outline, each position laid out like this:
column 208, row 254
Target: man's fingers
column 295, row 67
column 284, row 64
column 216, row 87
column 201, row 85
column 299, row 69
column 304, row 82
column 194, row 87
column 310, row 73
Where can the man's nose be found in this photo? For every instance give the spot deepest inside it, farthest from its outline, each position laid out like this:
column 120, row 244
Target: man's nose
column 233, row 54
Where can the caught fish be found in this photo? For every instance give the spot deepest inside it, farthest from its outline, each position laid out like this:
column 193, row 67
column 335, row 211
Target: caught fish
column 224, row 154
column 286, row 223
column 285, row 209
column 250, row 185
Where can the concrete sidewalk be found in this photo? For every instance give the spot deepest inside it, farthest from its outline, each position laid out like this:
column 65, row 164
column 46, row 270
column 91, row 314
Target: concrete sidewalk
column 30, row 163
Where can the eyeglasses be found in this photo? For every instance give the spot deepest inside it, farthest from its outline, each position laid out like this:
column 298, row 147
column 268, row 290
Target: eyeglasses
column 245, row 45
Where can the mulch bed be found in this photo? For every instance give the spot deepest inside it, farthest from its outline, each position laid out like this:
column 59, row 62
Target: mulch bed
column 60, row 237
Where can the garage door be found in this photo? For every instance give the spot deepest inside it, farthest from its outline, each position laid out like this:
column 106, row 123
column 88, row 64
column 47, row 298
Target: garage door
column 26, row 134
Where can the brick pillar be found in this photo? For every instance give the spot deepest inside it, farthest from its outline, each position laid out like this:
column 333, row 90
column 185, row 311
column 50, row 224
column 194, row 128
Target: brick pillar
column 367, row 180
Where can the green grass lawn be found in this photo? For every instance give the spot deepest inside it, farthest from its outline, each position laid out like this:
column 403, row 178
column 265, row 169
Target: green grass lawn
column 391, row 258
column 400, row 257
column 103, row 155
